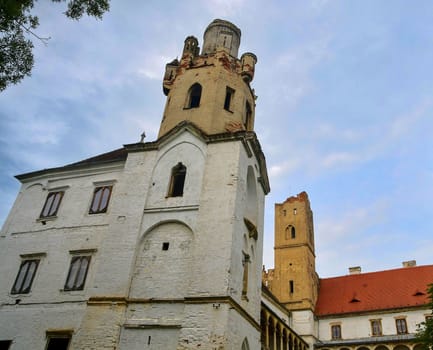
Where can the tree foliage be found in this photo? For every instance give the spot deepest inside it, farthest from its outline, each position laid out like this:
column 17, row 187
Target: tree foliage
column 425, row 329
column 17, row 24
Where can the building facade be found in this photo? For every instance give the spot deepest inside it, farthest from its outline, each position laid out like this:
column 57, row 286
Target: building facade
column 155, row 245
column 359, row 311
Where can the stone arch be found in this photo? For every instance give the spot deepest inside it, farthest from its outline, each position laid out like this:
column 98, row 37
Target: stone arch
column 381, row 347
column 419, row 347
column 401, row 347
column 163, row 263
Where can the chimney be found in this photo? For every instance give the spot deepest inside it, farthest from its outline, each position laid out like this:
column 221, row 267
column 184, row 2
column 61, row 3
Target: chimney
column 355, row 270
column 410, row 263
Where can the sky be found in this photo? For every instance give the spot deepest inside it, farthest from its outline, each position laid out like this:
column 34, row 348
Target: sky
column 344, row 109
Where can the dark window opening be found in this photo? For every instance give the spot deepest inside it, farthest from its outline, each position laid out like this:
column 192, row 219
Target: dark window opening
column 291, row 286
column 177, row 181
column 101, row 197
column 245, row 263
column 248, row 115
column 52, row 204
column 336, row 331
column 25, row 277
column 229, row 97
column 60, row 343
column 293, row 232
column 194, row 96
column 165, row 245
column 77, row 272
column 5, row 344
column 401, row 326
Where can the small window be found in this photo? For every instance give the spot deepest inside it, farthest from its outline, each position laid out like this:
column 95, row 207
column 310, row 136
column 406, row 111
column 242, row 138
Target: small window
column 101, row 197
column 336, row 331
column 52, row 204
column 26, row 274
column 58, row 342
column 248, row 115
column 401, row 325
column 245, row 263
column 376, row 327
column 177, row 181
column 229, row 97
column 165, row 245
column 77, row 272
column 5, row 344
column 194, row 96
column 291, row 286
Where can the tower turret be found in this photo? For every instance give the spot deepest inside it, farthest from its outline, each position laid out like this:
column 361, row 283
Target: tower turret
column 212, row 89
column 221, row 34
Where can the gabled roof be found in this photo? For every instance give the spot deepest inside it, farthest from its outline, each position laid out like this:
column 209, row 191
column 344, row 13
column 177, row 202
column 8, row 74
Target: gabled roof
column 374, row 291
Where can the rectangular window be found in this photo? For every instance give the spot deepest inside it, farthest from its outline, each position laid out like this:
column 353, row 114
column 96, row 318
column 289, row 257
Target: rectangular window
column 336, row 331
column 25, row 277
column 376, row 327
column 58, row 340
column 101, row 197
column 401, row 325
column 229, row 97
column 291, row 286
column 77, row 272
column 52, row 204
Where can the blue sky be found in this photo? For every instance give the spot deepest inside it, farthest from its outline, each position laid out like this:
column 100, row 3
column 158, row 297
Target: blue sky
column 344, row 109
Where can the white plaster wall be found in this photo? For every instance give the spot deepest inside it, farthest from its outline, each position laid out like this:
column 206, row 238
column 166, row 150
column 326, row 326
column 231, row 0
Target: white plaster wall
column 149, row 339
column 303, row 323
column 26, row 325
column 359, row 326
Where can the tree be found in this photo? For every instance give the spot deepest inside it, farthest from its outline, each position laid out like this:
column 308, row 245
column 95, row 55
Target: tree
column 425, row 329
column 17, row 22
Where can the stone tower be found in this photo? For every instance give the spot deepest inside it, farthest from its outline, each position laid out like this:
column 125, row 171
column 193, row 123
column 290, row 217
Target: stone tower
column 295, row 281
column 211, row 90
column 207, row 191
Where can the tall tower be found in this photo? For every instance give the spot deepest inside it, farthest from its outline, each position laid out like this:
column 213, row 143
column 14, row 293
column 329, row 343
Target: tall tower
column 295, row 281
column 205, row 204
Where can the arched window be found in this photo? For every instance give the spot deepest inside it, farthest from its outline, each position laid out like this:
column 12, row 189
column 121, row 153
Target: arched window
column 290, row 232
column 194, row 95
column 177, row 181
column 245, row 345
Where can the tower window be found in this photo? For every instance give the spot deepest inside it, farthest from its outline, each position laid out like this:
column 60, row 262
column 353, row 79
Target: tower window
column 177, row 181
column 245, row 262
column 25, row 276
column 290, row 232
column 101, row 197
column 52, row 204
column 194, row 96
column 229, row 97
column 165, row 245
column 247, row 121
column 77, row 272
column 291, row 286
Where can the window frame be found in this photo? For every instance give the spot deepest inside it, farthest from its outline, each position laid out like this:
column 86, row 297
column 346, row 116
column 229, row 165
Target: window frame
column 194, row 96
column 99, row 208
column 75, row 275
column 336, row 331
column 376, row 327
column 401, row 325
column 228, row 99
column 177, row 181
column 61, row 334
column 25, row 279
column 53, row 205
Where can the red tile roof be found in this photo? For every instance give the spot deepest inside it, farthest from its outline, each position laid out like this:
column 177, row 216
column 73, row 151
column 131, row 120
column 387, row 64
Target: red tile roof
column 382, row 290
